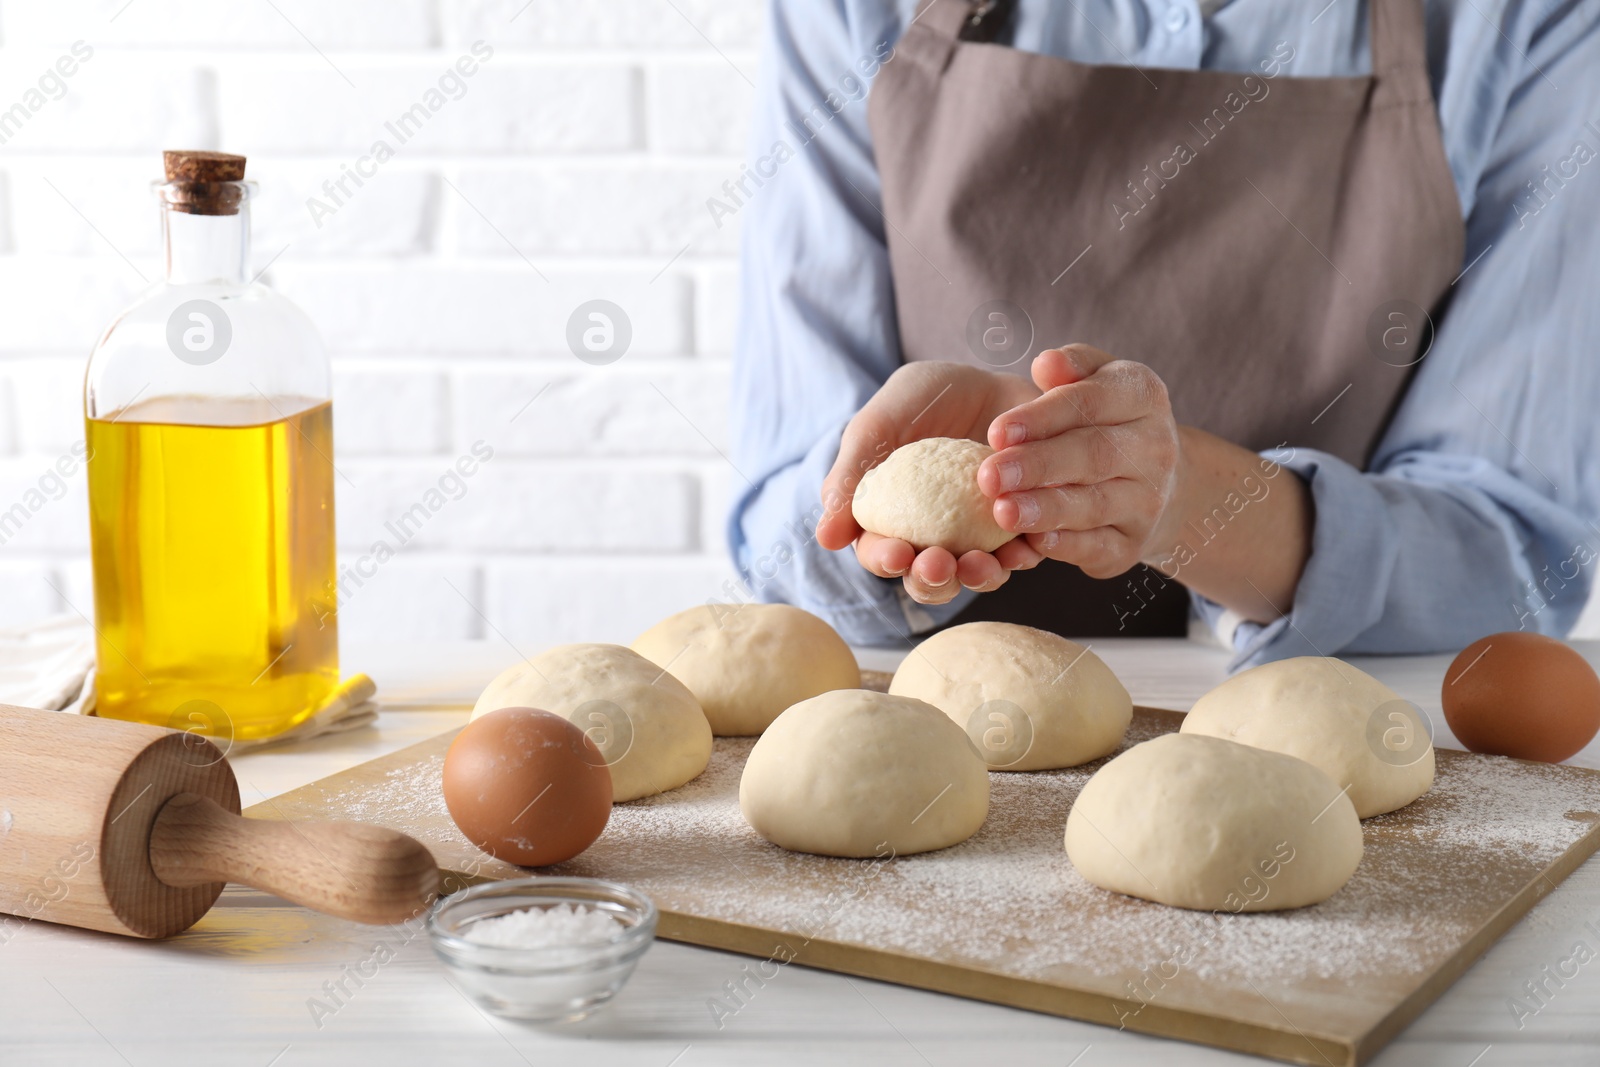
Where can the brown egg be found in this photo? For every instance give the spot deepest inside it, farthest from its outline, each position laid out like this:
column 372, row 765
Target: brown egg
column 1524, row 695
column 527, row 786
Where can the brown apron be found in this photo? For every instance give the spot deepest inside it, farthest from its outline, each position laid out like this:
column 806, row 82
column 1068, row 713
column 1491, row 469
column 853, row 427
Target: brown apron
column 1247, row 237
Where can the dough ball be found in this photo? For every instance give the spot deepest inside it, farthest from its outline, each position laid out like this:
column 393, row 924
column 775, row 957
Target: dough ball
column 745, row 663
column 858, row 773
column 1341, row 720
column 927, row 493
column 646, row 724
column 1198, row 822
column 1028, row 700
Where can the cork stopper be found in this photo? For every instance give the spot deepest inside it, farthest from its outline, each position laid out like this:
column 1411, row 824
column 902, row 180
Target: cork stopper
column 204, row 183
column 203, row 166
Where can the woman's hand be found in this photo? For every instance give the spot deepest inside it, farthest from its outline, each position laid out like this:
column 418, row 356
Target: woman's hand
column 921, row 400
column 1088, row 469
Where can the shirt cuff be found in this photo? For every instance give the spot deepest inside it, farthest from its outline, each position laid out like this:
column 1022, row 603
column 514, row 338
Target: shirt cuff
column 1331, row 606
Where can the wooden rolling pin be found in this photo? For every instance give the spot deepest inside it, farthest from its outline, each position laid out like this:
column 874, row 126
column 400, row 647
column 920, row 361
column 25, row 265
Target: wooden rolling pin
column 134, row 829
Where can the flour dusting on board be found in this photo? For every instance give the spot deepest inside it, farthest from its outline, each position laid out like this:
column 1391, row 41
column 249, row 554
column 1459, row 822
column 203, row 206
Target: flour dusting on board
column 1009, row 901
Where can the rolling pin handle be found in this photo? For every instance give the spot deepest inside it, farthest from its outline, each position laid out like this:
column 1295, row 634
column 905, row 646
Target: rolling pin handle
column 351, row 870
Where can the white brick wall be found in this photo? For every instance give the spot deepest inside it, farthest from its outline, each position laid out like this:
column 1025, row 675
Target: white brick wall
column 573, row 164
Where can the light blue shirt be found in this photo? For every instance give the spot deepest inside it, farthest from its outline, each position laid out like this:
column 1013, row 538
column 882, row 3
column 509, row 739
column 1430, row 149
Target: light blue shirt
column 1477, row 514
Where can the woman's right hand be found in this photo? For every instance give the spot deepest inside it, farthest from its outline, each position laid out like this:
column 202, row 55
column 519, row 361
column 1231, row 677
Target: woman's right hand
column 922, row 400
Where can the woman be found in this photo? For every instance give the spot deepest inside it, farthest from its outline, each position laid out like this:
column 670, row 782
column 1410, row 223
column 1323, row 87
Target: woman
column 1236, row 219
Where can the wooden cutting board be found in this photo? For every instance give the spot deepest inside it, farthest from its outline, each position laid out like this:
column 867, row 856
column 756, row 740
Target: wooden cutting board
column 1004, row 917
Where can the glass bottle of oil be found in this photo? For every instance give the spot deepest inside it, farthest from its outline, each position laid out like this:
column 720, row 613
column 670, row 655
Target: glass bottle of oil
column 209, row 428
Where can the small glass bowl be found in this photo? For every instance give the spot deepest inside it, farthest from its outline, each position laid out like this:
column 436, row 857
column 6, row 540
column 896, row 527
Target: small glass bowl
column 558, row 983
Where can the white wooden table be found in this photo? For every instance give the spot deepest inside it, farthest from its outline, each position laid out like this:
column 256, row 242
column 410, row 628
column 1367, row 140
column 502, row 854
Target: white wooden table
column 235, row 990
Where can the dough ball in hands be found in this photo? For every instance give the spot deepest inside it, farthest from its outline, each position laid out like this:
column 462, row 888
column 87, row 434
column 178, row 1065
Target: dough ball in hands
column 927, row 493
column 858, row 773
column 1029, row 700
column 1198, row 822
column 1341, row 720
column 746, row 663
column 646, row 724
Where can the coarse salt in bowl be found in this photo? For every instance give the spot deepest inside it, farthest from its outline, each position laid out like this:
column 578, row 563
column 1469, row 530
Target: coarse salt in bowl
column 543, row 949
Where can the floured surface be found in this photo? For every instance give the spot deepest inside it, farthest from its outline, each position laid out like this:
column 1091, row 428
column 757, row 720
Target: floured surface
column 1008, row 902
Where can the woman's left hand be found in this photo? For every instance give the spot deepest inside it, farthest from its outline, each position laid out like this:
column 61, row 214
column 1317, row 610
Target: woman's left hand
column 1088, row 470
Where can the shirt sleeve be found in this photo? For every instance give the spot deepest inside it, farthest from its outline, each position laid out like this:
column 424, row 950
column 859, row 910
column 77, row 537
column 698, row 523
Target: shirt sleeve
column 1478, row 513
column 816, row 335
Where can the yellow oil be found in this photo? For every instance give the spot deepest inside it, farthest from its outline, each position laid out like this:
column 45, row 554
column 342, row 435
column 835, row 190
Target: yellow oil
column 212, row 528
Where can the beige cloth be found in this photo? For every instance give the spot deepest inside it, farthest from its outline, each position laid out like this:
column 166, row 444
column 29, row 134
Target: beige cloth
column 50, row 665
column 47, row 665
